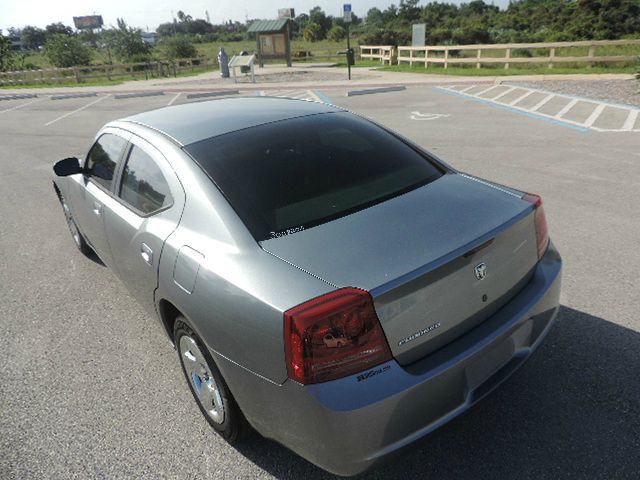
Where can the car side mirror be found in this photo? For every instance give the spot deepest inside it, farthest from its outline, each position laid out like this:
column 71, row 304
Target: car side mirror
column 67, row 166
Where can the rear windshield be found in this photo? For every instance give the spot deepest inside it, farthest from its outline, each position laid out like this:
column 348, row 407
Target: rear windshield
column 287, row 176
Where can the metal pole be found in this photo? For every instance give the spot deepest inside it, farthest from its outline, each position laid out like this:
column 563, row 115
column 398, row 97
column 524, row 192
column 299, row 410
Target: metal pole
column 348, row 48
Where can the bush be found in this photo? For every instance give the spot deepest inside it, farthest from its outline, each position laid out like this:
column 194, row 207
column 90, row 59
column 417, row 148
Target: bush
column 66, row 51
column 337, row 33
column 178, row 46
column 385, row 36
column 127, row 43
column 312, row 32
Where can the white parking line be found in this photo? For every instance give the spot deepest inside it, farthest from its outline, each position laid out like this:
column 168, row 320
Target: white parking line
column 20, row 106
column 631, row 120
column 307, row 95
column 542, row 102
column 174, row 99
column 608, row 124
column 566, row 108
column 477, row 94
column 594, row 115
column 506, row 92
column 522, row 97
column 76, row 110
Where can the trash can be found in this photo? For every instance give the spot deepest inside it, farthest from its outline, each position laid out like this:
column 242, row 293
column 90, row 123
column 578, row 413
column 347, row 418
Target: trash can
column 244, row 69
column 223, row 61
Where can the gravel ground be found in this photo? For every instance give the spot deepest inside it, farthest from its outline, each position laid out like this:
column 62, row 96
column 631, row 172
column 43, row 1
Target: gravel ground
column 617, row 91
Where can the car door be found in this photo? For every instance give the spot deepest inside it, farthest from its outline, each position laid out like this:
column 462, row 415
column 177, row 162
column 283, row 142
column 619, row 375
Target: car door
column 91, row 190
column 146, row 209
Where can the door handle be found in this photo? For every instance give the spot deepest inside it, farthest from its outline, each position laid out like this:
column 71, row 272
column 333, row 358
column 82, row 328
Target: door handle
column 97, row 208
column 146, row 253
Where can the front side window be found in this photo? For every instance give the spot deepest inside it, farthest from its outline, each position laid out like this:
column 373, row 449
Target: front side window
column 103, row 159
column 143, row 185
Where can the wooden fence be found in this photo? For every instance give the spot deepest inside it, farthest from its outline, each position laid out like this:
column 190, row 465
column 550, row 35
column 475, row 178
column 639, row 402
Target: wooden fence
column 384, row 53
column 100, row 72
column 514, row 53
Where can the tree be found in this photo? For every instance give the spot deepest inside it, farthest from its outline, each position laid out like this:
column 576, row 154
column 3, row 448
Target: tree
column 66, row 51
column 127, row 43
column 409, row 10
column 317, row 16
column 312, row 32
column 337, row 33
column 179, row 46
column 6, row 54
column 374, row 17
column 58, row 28
column 33, row 37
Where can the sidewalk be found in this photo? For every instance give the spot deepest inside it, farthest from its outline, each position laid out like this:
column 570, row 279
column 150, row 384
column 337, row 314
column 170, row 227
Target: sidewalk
column 300, row 77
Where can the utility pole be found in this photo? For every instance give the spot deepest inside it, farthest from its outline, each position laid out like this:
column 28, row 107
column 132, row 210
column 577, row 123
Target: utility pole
column 346, row 16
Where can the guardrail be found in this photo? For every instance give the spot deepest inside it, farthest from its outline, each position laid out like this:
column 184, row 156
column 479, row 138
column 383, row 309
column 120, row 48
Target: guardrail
column 108, row 72
column 384, row 53
column 449, row 54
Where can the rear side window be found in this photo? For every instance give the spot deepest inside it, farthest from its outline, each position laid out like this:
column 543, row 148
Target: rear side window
column 143, row 185
column 103, row 159
column 286, row 176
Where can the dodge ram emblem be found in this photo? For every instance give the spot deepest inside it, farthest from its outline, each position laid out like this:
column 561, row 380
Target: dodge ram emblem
column 480, row 271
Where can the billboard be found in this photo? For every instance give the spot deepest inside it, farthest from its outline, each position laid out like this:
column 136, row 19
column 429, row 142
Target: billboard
column 87, row 22
column 286, row 13
column 419, row 35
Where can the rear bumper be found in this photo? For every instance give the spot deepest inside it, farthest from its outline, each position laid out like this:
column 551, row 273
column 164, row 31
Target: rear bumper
column 346, row 426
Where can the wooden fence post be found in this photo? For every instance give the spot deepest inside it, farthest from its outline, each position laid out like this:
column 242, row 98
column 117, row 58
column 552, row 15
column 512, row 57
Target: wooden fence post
column 478, row 57
column 552, row 55
column 426, row 58
column 411, row 58
column 76, row 73
column 507, row 55
column 446, row 56
column 592, row 54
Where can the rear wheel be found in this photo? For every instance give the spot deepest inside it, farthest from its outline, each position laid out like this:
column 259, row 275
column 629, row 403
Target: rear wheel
column 77, row 237
column 207, row 385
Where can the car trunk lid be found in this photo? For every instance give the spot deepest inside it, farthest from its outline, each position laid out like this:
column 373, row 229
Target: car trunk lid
column 437, row 260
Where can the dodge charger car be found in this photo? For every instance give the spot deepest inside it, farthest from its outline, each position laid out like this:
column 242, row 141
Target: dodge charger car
column 325, row 281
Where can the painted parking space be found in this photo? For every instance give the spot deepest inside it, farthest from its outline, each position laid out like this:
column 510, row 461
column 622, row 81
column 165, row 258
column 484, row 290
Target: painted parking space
column 580, row 113
column 12, row 104
column 308, row 95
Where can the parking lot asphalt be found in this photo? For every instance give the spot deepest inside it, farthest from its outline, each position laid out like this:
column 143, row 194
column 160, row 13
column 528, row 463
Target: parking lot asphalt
column 91, row 388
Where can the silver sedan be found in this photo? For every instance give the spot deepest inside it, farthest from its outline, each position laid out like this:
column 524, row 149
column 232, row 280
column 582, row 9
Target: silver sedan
column 325, row 281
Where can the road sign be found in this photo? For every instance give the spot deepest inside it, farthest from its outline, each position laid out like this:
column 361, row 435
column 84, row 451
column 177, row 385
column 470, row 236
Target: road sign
column 346, row 13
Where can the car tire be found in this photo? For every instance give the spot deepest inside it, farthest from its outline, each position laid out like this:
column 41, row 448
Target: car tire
column 207, row 385
column 76, row 235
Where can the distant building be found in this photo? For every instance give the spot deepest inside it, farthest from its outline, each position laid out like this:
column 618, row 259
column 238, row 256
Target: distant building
column 148, row 37
column 16, row 44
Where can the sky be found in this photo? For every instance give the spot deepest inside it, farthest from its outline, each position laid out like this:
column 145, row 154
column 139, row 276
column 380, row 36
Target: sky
column 148, row 14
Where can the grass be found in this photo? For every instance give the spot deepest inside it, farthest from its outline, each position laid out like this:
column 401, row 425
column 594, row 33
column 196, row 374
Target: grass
column 513, row 69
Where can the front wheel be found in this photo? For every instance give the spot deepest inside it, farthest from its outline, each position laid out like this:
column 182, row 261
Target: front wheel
column 77, row 237
column 207, row 385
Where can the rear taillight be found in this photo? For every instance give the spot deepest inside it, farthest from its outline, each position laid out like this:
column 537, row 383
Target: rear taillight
column 542, row 233
column 333, row 336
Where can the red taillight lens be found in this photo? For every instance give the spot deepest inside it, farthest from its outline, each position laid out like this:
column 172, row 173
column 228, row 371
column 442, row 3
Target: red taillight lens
column 333, row 336
column 542, row 233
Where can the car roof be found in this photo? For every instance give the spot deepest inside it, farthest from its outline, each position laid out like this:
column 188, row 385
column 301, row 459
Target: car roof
column 191, row 122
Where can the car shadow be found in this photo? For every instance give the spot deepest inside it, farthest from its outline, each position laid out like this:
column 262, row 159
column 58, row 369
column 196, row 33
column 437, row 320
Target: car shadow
column 93, row 256
column 573, row 410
